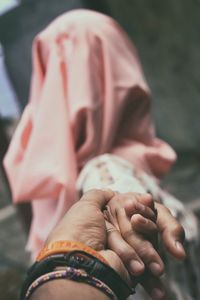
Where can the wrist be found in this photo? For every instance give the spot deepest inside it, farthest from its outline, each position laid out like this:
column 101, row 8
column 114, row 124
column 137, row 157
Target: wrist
column 77, row 266
column 67, row 289
column 112, row 172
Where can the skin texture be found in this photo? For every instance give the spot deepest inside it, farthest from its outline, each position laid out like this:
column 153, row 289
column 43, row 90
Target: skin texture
column 136, row 236
column 125, row 233
column 135, row 218
column 84, row 222
column 66, row 289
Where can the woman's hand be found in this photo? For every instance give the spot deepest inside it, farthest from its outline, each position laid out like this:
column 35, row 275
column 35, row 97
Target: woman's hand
column 135, row 240
column 123, row 209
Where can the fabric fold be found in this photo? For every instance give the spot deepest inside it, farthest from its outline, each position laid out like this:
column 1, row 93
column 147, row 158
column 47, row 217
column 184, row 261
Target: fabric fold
column 88, row 97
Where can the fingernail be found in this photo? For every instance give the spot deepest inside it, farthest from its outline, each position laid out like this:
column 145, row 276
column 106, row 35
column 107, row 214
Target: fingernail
column 139, row 206
column 179, row 247
column 157, row 294
column 142, row 220
column 136, row 267
column 156, row 269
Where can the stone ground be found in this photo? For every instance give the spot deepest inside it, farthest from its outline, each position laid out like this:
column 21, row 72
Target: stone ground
column 13, row 258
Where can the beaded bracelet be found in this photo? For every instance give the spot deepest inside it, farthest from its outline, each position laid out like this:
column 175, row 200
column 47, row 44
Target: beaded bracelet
column 78, row 260
column 70, row 273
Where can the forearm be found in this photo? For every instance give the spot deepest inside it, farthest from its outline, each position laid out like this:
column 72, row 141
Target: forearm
column 67, row 289
column 109, row 172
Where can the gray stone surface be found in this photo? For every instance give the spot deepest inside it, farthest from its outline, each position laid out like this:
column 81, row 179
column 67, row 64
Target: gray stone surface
column 13, row 258
column 166, row 34
column 4, row 198
column 184, row 180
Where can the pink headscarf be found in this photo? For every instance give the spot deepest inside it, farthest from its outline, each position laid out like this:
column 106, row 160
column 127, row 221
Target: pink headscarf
column 88, row 97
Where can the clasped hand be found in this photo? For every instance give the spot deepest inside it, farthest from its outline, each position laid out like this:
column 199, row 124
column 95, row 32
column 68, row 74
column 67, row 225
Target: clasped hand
column 125, row 229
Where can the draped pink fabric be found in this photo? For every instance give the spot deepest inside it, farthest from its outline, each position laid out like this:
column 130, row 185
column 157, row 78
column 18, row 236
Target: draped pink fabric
column 88, row 97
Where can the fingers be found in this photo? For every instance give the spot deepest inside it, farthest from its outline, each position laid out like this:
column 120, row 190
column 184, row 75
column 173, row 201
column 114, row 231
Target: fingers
column 127, row 254
column 109, row 217
column 99, row 198
column 172, row 233
column 143, row 248
column 134, row 203
column 116, row 263
column 153, row 286
column 146, row 228
column 132, row 207
column 143, row 225
column 146, row 199
column 139, row 203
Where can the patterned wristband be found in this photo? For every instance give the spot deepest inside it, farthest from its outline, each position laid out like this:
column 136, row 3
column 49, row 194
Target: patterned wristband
column 68, row 246
column 69, row 273
column 78, row 260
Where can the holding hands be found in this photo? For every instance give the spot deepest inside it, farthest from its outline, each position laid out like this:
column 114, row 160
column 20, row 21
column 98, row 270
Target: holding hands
column 125, row 229
column 135, row 225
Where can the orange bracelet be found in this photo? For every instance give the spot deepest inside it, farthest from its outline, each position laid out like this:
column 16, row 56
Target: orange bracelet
column 68, row 246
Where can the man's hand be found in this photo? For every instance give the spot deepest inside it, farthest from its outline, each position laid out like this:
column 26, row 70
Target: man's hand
column 171, row 232
column 85, row 223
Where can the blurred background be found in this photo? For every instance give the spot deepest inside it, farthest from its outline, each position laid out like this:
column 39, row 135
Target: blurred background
column 166, row 34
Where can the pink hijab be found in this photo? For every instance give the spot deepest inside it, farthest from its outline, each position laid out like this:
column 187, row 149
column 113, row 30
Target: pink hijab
column 88, row 97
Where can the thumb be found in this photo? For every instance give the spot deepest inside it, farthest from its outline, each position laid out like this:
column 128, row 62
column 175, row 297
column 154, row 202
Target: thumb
column 172, row 233
column 98, row 198
column 116, row 263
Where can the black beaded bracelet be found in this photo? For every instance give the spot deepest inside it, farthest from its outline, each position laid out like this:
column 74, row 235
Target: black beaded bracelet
column 79, row 260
